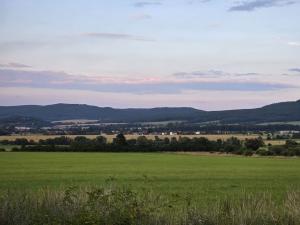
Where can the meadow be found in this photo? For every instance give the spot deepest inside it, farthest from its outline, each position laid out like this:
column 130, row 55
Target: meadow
column 148, row 189
column 203, row 176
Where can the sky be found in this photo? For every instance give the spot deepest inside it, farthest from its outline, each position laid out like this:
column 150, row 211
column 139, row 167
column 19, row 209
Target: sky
column 206, row 54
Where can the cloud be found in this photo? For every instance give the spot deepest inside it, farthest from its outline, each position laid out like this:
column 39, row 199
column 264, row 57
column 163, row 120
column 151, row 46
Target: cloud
column 214, row 26
column 14, row 65
column 146, row 3
column 141, row 16
column 294, row 43
column 252, row 5
column 197, row 1
column 64, row 81
column 116, row 36
column 246, row 74
column 16, row 45
column 209, row 73
column 297, row 70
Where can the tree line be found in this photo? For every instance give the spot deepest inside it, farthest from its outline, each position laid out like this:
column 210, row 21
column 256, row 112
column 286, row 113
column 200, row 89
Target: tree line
column 142, row 144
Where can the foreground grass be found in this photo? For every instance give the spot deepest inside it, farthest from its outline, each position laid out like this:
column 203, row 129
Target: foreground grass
column 204, row 177
column 147, row 189
column 113, row 205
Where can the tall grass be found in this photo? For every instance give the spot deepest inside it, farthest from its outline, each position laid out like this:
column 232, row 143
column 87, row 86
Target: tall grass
column 115, row 205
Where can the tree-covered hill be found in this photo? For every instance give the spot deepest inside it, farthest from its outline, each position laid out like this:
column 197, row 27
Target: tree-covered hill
column 279, row 112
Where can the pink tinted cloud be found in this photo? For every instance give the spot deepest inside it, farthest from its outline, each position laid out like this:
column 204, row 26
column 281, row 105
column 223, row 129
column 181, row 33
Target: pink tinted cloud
column 136, row 85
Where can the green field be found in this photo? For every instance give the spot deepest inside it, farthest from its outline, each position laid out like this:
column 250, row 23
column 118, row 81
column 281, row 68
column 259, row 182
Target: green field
column 205, row 177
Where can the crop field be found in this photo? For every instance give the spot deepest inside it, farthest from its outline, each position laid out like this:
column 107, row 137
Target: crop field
column 204, row 177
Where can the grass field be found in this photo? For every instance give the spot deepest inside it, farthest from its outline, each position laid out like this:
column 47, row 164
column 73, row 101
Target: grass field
column 205, row 177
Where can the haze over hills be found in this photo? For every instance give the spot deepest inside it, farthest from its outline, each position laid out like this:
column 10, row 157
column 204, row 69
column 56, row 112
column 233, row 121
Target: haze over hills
column 278, row 112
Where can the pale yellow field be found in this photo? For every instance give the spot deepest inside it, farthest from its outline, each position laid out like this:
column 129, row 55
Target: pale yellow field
column 275, row 142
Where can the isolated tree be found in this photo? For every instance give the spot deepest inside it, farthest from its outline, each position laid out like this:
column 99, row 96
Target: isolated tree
column 101, row 140
column 81, row 143
column 254, row 143
column 232, row 144
column 142, row 141
column 291, row 143
column 120, row 140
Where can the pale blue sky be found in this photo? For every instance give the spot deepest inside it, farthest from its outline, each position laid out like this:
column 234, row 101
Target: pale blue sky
column 206, row 54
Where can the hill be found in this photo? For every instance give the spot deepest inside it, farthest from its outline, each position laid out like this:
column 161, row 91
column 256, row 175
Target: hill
column 279, row 112
column 22, row 121
column 73, row 111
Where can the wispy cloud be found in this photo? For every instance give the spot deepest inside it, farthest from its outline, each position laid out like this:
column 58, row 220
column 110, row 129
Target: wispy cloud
column 209, row 73
column 147, row 3
column 252, row 5
column 295, row 70
column 294, row 43
column 116, row 36
column 246, row 74
column 141, row 16
column 214, row 26
column 22, row 44
column 64, row 81
column 14, row 65
column 197, row 1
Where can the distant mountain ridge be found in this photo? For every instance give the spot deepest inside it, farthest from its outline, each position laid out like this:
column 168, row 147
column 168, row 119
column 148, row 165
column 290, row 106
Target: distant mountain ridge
column 278, row 112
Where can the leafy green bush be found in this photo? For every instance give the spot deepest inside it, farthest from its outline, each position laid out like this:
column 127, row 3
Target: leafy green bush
column 263, row 151
column 248, row 153
column 254, row 143
column 15, row 149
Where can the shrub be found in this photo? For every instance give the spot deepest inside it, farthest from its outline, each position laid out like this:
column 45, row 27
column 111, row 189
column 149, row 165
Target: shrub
column 248, row 153
column 277, row 149
column 15, row 149
column 254, row 143
column 263, row 151
column 291, row 143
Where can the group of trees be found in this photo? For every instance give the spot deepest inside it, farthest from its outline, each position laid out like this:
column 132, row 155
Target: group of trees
column 290, row 148
column 142, row 144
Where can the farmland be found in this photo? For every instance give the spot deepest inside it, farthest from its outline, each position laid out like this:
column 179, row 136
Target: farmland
column 190, row 180
column 202, row 176
column 181, row 188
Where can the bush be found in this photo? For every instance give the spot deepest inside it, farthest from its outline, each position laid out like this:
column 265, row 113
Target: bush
column 278, row 149
column 248, row 153
column 291, row 143
column 254, row 143
column 263, row 152
column 15, row 149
